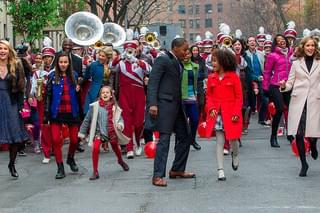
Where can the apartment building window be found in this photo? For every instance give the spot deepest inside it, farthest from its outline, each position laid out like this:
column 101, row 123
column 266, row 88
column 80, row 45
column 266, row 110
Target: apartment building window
column 208, row 8
column 208, row 23
column 191, row 37
column 182, row 9
column 183, row 23
column 197, row 23
column 197, row 9
column 190, row 9
column 191, row 24
column 220, row 7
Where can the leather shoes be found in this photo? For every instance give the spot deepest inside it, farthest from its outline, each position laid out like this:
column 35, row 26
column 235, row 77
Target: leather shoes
column 174, row 174
column 196, row 146
column 158, row 181
column 274, row 142
column 13, row 171
column 94, row 176
column 124, row 166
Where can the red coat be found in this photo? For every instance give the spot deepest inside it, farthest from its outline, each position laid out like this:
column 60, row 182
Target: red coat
column 225, row 96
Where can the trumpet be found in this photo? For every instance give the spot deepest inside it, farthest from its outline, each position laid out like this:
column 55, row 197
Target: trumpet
column 39, row 89
column 98, row 45
column 130, row 52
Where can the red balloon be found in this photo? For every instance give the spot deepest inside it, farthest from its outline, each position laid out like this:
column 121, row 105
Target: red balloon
column 156, row 135
column 150, row 149
column 202, row 129
column 272, row 108
column 294, row 147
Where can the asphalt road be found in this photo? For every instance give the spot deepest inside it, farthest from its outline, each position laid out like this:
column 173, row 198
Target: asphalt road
column 267, row 182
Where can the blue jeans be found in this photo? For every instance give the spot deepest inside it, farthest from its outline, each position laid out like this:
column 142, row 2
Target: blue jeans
column 192, row 113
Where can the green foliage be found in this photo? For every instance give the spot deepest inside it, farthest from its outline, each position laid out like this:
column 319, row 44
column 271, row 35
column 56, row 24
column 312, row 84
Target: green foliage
column 68, row 7
column 30, row 17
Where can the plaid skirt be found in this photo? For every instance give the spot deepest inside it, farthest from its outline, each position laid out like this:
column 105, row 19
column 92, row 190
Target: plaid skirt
column 219, row 123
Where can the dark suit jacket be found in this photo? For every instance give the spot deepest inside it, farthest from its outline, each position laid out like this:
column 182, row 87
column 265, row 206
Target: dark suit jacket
column 164, row 91
column 76, row 63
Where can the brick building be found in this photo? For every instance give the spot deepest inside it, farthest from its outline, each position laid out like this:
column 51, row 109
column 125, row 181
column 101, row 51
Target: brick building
column 198, row 16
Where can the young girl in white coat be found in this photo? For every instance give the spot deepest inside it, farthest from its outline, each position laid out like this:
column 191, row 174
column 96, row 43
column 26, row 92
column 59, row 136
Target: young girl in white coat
column 106, row 124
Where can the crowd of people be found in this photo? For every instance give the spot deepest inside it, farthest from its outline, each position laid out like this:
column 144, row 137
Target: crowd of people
column 102, row 96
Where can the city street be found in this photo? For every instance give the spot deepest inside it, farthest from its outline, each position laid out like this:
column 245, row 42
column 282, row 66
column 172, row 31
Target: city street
column 267, row 181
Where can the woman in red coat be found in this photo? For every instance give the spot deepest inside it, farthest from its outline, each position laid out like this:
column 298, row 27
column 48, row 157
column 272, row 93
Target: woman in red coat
column 224, row 103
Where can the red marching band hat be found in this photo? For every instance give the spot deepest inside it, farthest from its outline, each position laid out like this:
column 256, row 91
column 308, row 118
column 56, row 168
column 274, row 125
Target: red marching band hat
column 290, row 31
column 261, row 37
column 134, row 44
column 268, row 41
column 48, row 51
column 219, row 35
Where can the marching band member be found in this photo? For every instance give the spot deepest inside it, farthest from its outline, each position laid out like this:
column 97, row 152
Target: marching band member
column 62, row 107
column 290, row 33
column 131, row 93
column 39, row 81
column 261, row 37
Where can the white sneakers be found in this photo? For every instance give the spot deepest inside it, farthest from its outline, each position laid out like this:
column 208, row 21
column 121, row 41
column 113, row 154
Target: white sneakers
column 130, row 155
column 46, row 160
column 138, row 151
column 225, row 152
column 221, row 176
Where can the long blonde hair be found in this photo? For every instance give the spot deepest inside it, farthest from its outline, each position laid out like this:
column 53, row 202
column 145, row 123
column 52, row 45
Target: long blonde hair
column 12, row 57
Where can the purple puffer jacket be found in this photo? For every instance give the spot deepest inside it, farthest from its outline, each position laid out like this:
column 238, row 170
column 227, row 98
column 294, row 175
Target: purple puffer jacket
column 276, row 68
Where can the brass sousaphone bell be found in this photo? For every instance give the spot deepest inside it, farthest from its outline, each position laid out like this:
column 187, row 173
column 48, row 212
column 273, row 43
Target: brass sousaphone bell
column 84, row 28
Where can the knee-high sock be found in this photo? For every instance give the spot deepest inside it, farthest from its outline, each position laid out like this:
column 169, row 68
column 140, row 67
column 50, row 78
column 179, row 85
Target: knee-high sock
column 117, row 151
column 219, row 152
column 95, row 154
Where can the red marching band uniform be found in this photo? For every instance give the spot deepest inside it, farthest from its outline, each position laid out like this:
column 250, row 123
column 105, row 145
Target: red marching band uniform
column 46, row 139
column 132, row 98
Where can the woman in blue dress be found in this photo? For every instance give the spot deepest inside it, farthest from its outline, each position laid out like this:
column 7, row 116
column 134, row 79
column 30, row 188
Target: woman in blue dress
column 12, row 85
column 100, row 74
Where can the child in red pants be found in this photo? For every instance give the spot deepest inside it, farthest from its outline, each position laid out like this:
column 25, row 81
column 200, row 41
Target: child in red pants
column 106, row 124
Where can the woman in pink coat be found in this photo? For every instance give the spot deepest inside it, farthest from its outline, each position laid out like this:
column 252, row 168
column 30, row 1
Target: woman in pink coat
column 223, row 105
column 277, row 68
column 304, row 114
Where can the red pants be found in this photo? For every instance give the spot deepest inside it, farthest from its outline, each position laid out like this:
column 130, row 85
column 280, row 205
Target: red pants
column 46, row 138
column 96, row 150
column 56, row 132
column 133, row 102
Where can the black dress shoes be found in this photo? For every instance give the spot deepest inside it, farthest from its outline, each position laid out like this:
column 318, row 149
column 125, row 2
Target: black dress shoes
column 73, row 166
column 13, row 171
column 196, row 146
column 304, row 169
column 274, row 142
column 60, row 173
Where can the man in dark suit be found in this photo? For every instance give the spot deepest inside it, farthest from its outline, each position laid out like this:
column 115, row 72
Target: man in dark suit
column 166, row 113
column 76, row 61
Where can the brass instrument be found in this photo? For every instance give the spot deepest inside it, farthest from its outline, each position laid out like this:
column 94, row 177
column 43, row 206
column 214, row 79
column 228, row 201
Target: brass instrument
column 98, row 45
column 39, row 89
column 156, row 44
column 150, row 38
column 84, row 28
column 130, row 52
column 227, row 43
column 114, row 34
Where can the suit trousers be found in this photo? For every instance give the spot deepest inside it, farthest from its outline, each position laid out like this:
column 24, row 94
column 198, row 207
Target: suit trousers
column 182, row 147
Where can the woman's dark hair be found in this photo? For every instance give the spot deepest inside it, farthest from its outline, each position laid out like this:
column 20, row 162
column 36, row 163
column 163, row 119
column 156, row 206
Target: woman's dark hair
column 226, row 59
column 243, row 46
column 192, row 56
column 69, row 71
column 117, row 51
column 274, row 43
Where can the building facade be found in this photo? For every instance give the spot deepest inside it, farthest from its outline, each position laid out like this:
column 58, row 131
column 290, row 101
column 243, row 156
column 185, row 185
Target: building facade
column 6, row 30
column 198, row 16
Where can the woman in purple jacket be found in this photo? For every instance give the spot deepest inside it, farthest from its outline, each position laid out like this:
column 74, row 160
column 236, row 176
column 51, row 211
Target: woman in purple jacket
column 277, row 68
